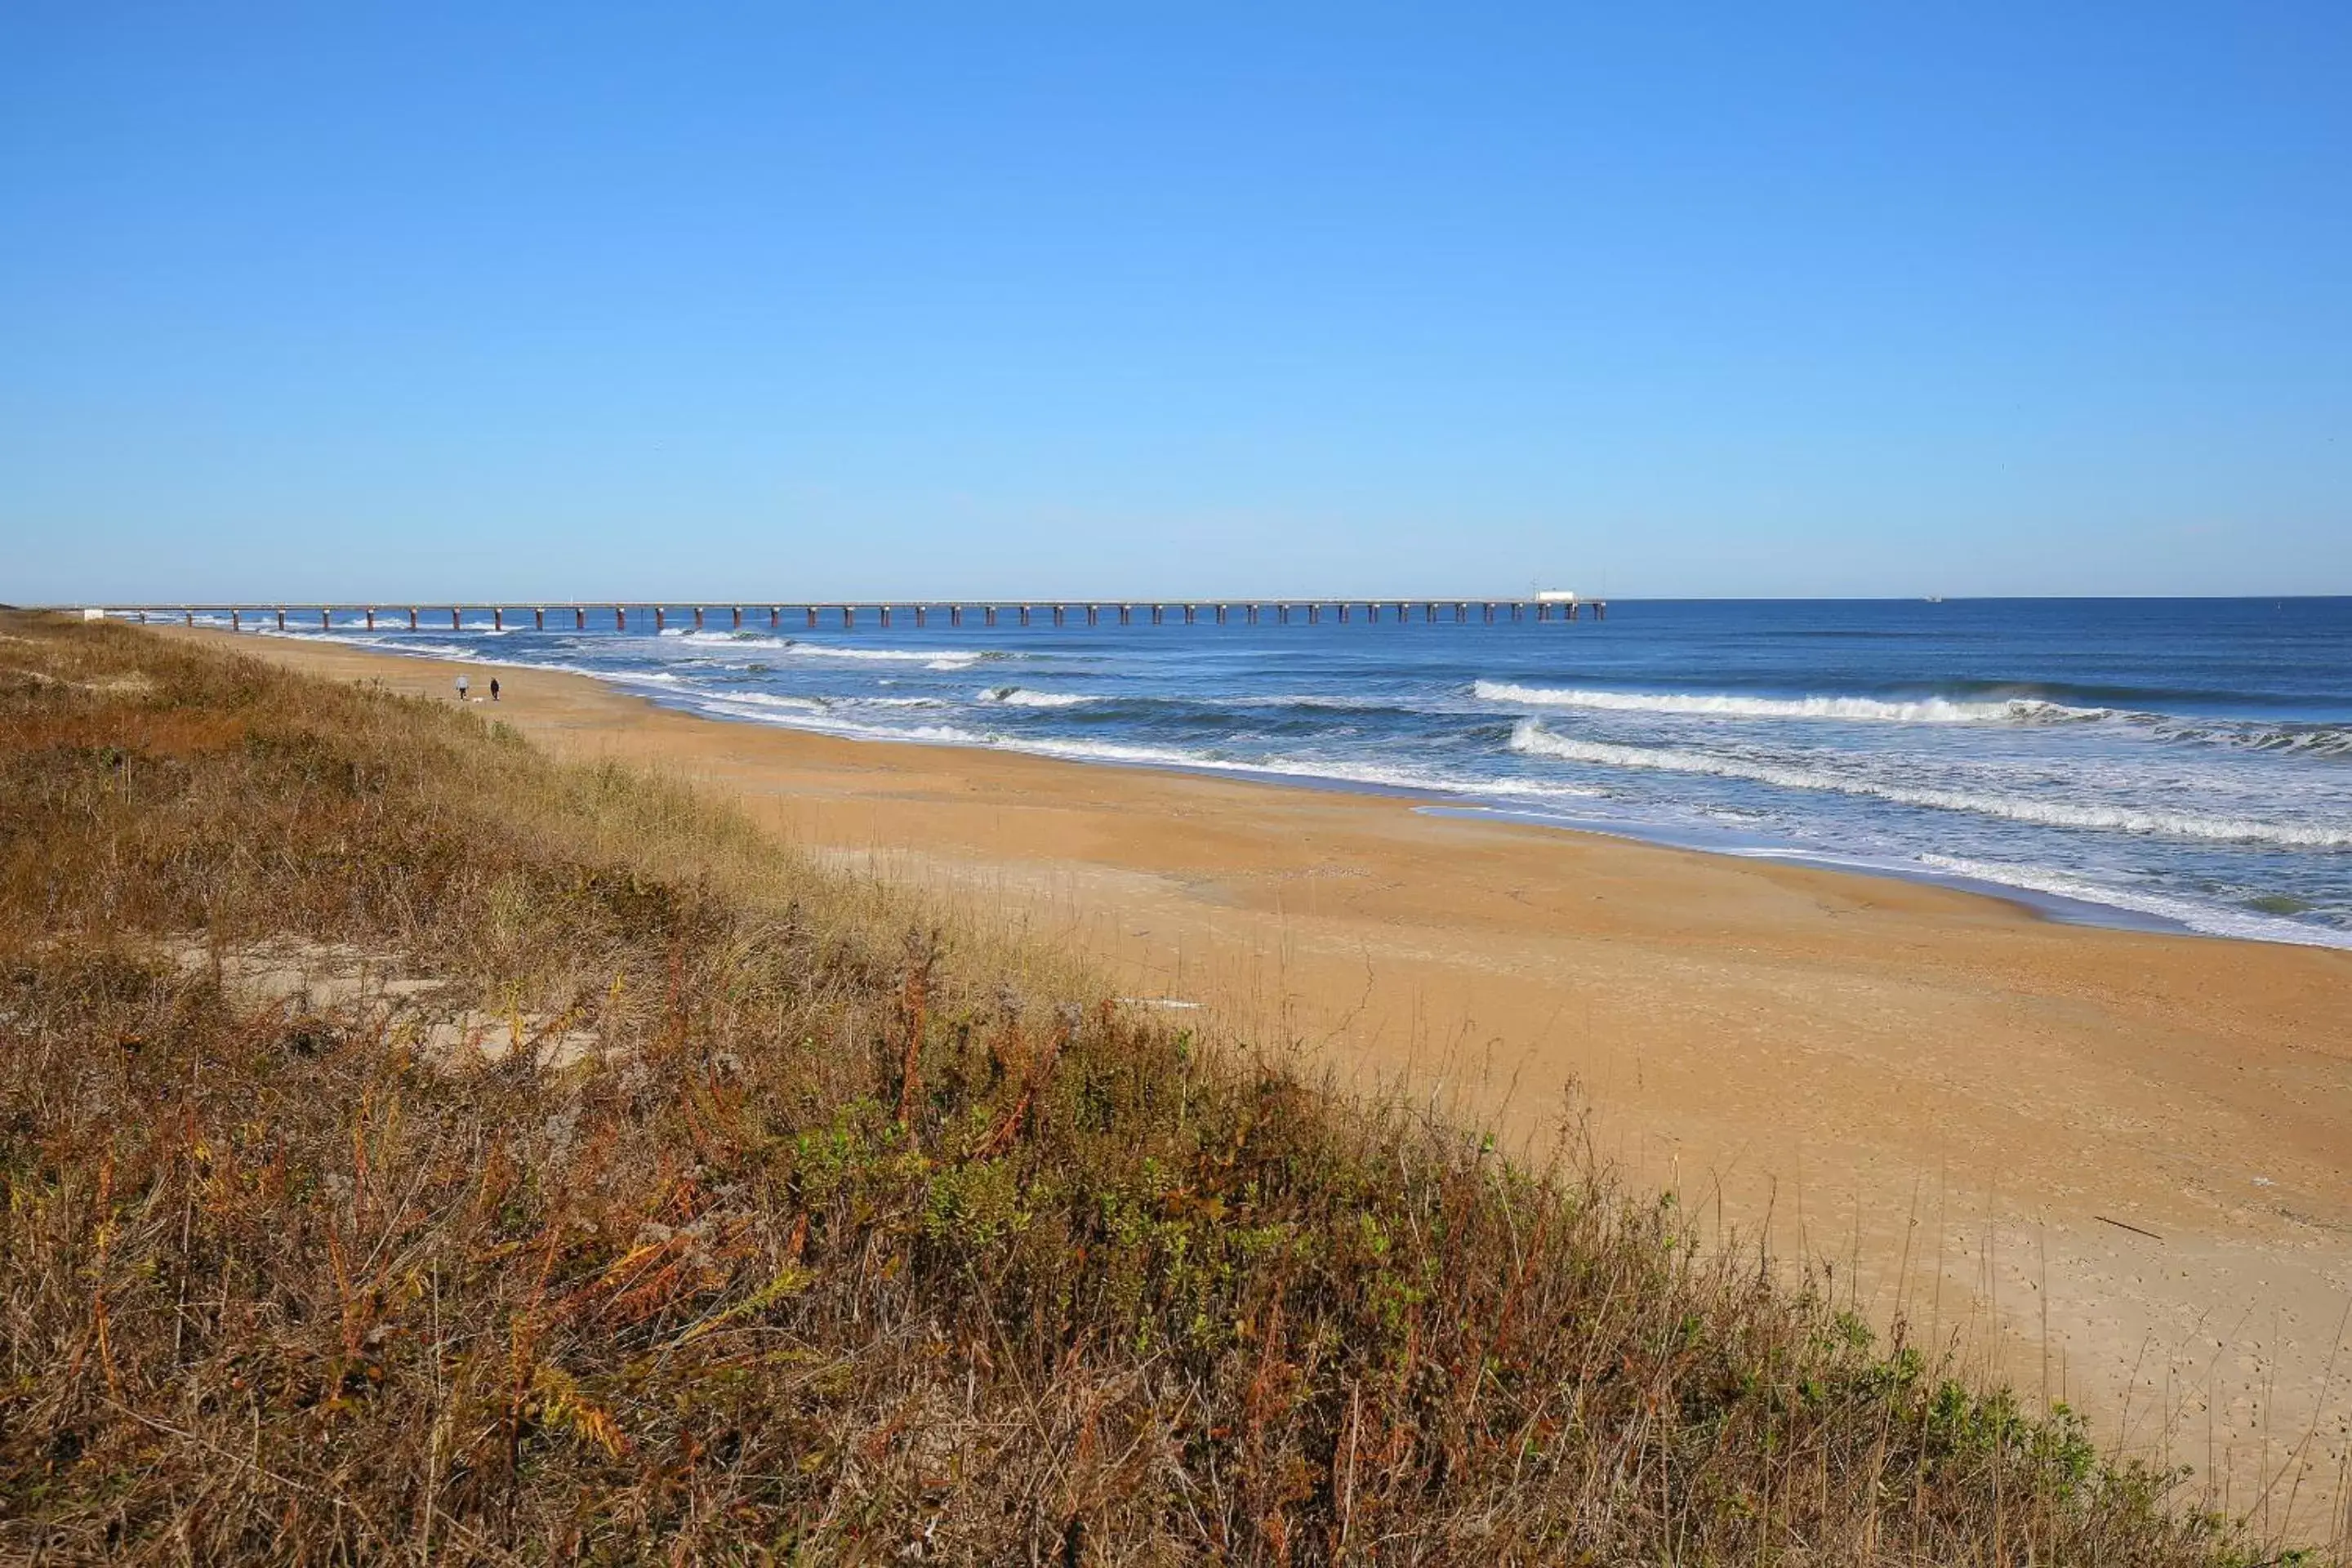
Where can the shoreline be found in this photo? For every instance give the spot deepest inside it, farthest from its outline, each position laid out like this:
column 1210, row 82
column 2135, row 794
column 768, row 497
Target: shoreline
column 2072, row 1154
column 2064, row 908
column 2054, row 908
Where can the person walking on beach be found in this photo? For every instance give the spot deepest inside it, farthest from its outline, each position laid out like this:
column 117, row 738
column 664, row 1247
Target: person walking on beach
column 494, row 688
column 461, row 688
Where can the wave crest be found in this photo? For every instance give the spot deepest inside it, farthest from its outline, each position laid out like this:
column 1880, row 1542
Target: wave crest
column 2325, row 741
column 1022, row 697
column 1529, row 738
column 1725, row 705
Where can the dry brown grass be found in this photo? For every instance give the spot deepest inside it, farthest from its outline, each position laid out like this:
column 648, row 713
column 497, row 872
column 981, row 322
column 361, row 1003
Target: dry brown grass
column 862, row 1239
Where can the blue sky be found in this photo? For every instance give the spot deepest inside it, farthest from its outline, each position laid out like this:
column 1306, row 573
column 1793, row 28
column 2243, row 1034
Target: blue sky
column 351, row 300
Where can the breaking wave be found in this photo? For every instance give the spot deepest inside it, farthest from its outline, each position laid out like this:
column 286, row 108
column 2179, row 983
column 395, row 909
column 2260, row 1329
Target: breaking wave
column 2324, row 742
column 1529, row 738
column 959, row 659
column 1868, row 710
column 937, row 658
column 1022, row 697
column 727, row 639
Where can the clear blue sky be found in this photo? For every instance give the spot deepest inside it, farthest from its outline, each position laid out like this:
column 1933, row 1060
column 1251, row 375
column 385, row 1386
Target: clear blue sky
column 340, row 300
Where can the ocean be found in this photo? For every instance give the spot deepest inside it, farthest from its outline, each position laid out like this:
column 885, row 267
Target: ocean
column 2175, row 764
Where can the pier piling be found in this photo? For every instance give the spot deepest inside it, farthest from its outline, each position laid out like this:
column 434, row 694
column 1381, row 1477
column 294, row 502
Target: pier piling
column 1064, row 613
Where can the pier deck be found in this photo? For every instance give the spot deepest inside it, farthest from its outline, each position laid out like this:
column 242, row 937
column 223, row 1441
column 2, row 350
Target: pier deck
column 848, row 615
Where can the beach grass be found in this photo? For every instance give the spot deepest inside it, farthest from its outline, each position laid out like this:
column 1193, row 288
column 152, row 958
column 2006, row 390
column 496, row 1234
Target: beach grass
column 416, row 1147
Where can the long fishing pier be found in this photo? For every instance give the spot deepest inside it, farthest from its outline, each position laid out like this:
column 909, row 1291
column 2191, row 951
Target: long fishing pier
column 813, row 615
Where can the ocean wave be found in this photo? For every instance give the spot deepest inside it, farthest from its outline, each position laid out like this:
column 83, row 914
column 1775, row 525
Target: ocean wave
column 1022, row 697
column 819, row 704
column 1531, row 738
column 959, row 659
column 1724, row 705
column 2321, row 740
column 2198, row 917
column 1317, row 699
column 819, row 718
column 738, row 639
column 777, row 701
column 1331, row 769
column 410, row 643
column 950, row 659
column 2317, row 740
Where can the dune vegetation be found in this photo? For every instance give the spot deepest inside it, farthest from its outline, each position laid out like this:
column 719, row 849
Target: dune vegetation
column 415, row 1147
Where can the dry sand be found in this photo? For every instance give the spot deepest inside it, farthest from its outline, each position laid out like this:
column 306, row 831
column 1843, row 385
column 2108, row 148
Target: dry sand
column 2118, row 1165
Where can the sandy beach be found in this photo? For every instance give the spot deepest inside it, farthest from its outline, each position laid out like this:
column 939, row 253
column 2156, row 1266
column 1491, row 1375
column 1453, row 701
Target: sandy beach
column 2116, row 1165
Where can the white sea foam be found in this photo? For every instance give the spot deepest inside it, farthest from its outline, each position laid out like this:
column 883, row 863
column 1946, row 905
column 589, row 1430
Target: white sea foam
column 408, row 643
column 819, row 704
column 1725, row 705
column 1530, row 738
column 1022, row 697
column 1333, row 769
column 738, row 639
column 759, row 708
column 827, row 721
column 2328, row 742
column 950, row 658
column 771, row 699
column 2212, row 920
column 959, row 659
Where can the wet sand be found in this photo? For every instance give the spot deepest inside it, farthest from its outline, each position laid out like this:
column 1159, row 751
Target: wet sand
column 2116, row 1165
